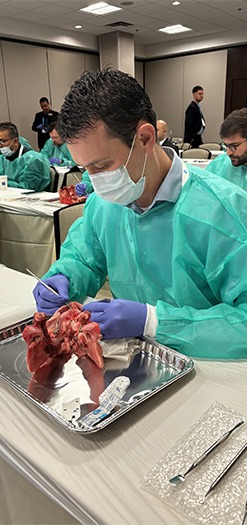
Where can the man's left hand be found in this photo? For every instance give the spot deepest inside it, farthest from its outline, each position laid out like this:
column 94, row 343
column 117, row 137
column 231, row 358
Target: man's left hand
column 118, row 318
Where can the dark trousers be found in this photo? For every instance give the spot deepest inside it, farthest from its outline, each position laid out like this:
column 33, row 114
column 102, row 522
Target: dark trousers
column 196, row 141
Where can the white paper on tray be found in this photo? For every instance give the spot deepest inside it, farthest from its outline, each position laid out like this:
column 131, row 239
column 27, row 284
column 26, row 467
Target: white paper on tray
column 120, row 349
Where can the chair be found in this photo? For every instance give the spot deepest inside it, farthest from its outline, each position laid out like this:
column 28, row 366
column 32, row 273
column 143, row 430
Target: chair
column 54, row 180
column 196, row 153
column 177, row 140
column 63, row 219
column 211, row 146
column 185, row 146
column 72, row 177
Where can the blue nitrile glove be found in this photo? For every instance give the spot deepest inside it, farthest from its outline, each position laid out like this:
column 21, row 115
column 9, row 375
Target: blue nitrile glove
column 55, row 160
column 40, row 126
column 81, row 189
column 48, row 302
column 118, row 318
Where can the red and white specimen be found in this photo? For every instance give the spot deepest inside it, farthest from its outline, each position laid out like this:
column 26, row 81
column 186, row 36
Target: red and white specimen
column 67, row 195
column 68, row 331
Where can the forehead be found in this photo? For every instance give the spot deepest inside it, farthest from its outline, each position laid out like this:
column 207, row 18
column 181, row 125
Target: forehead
column 237, row 137
column 44, row 104
column 97, row 145
column 4, row 133
column 54, row 134
column 199, row 92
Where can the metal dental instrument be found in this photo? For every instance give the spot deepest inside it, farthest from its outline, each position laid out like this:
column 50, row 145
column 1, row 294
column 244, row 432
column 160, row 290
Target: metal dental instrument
column 181, row 477
column 46, row 286
column 224, row 471
column 245, row 514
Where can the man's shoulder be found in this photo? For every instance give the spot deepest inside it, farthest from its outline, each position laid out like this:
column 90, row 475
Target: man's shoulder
column 33, row 156
column 212, row 183
column 220, row 160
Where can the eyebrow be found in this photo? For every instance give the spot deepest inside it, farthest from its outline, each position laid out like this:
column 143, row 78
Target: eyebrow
column 96, row 161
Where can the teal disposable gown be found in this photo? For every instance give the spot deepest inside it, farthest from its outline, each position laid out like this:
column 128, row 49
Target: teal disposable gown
column 30, row 171
column 25, row 143
column 61, row 152
column 189, row 258
column 222, row 166
column 86, row 180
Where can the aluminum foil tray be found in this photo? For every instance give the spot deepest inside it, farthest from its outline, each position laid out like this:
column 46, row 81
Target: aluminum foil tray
column 79, row 395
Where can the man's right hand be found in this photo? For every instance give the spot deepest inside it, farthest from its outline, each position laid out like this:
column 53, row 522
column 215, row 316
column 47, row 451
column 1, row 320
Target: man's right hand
column 46, row 300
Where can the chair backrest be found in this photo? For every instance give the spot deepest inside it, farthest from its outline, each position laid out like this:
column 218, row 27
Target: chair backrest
column 54, row 180
column 185, row 146
column 196, row 153
column 63, row 219
column 211, row 146
column 177, row 140
column 72, row 177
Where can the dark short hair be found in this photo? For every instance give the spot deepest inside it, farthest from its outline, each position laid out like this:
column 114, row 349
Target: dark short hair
column 197, row 88
column 52, row 126
column 235, row 122
column 44, row 99
column 12, row 129
column 109, row 95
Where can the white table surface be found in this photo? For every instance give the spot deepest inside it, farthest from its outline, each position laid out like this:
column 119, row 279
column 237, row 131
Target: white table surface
column 201, row 163
column 95, row 479
column 16, row 301
column 27, row 202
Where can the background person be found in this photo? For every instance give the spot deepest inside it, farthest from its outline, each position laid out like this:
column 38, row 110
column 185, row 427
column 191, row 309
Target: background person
column 171, row 238
column 161, row 126
column 24, row 168
column 55, row 149
column 58, row 154
column 11, row 145
column 42, row 120
column 233, row 165
column 194, row 120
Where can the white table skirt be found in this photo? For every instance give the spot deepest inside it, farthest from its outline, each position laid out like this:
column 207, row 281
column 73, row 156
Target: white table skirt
column 27, row 231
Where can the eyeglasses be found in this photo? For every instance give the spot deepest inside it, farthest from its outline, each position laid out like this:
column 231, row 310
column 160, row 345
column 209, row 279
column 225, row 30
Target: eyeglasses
column 232, row 147
column 3, row 141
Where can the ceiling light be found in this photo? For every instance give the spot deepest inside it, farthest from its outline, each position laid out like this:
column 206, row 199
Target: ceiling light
column 174, row 29
column 101, row 8
column 176, row 3
column 78, row 27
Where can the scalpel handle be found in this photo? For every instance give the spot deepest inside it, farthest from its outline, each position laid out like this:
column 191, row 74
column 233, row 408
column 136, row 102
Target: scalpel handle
column 46, row 286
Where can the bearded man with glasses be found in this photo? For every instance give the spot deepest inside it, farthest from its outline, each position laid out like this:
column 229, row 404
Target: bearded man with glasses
column 233, row 165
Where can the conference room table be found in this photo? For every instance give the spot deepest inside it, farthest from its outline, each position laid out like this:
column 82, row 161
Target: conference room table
column 201, row 163
column 50, row 475
column 26, row 229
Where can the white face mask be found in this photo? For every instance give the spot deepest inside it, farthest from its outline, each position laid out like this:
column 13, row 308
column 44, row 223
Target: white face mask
column 6, row 151
column 117, row 186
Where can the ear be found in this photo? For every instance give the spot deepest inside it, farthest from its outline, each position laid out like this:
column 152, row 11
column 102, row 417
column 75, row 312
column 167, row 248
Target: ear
column 147, row 135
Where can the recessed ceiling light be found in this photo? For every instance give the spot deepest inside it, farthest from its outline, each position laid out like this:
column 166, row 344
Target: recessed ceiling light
column 101, row 8
column 174, row 29
column 78, row 27
column 176, row 3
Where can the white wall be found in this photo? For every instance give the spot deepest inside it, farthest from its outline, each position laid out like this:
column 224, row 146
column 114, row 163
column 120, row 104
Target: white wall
column 28, row 72
column 169, row 83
